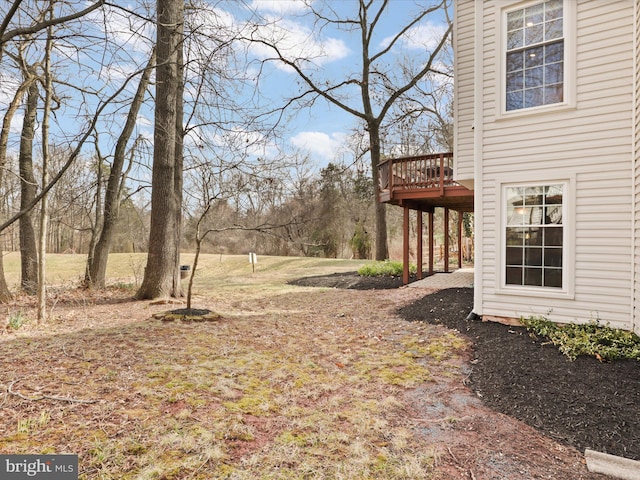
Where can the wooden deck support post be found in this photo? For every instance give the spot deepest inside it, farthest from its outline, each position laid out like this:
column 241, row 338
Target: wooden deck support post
column 459, row 239
column 446, row 239
column 419, row 246
column 431, row 242
column 424, row 183
column 405, row 246
column 441, row 175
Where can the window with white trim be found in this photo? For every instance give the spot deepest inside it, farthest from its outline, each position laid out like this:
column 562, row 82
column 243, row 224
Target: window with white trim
column 535, row 55
column 534, row 235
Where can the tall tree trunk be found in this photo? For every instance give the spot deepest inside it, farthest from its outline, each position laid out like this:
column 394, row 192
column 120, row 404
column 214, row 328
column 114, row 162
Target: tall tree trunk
column 97, row 265
column 97, row 220
column 382, row 247
column 179, row 163
column 164, row 246
column 373, row 126
column 44, row 204
column 28, row 245
column 5, row 294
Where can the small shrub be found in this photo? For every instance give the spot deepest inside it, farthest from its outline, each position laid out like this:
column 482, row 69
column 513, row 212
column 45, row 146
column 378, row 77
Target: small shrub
column 593, row 338
column 17, row 320
column 125, row 286
column 361, row 242
column 387, row 267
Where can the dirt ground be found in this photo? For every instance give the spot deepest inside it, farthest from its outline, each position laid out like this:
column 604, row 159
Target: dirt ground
column 583, row 403
column 363, row 381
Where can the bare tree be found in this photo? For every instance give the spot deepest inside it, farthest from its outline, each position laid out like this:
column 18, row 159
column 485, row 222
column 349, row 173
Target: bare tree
column 5, row 294
column 43, row 224
column 422, row 121
column 97, row 261
column 254, row 187
column 24, row 18
column 91, row 103
column 162, row 276
column 373, row 80
column 28, row 245
column 7, row 34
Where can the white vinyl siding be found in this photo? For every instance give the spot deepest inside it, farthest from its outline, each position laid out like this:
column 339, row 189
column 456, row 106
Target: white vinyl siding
column 464, row 34
column 590, row 144
column 636, row 177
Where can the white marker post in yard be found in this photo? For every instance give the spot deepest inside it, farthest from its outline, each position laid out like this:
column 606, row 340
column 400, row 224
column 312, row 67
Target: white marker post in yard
column 253, row 259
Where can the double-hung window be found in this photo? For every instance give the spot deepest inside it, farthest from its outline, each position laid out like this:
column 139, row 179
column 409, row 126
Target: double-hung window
column 534, row 234
column 535, row 55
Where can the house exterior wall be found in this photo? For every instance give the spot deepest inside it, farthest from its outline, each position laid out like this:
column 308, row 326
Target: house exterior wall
column 464, row 41
column 636, row 174
column 587, row 145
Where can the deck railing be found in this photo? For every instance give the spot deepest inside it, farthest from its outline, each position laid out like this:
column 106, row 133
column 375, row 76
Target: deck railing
column 418, row 172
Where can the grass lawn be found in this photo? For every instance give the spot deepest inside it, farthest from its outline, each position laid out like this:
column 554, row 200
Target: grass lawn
column 291, row 382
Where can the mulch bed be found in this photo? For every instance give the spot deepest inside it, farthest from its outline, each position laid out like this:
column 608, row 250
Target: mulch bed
column 582, row 403
column 351, row 280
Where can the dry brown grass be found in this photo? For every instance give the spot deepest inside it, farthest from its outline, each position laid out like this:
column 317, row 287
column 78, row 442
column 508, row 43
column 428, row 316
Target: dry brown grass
column 291, row 383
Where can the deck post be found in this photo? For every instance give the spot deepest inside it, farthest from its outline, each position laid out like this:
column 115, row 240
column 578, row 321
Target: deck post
column 405, row 246
column 446, row 239
column 431, row 242
column 459, row 239
column 419, row 246
column 441, row 179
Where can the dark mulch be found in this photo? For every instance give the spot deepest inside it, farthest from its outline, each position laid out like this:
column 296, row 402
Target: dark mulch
column 190, row 311
column 351, row 280
column 582, row 403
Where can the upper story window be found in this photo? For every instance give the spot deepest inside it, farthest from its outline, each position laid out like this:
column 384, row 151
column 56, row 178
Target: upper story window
column 535, row 55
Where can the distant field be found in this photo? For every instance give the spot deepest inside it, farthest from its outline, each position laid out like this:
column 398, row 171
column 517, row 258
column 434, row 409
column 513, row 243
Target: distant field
column 213, row 269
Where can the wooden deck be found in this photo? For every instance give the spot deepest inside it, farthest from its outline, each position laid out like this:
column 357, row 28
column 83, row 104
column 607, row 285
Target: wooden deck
column 422, row 183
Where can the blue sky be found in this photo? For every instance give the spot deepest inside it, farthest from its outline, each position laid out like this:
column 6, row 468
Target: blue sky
column 320, row 131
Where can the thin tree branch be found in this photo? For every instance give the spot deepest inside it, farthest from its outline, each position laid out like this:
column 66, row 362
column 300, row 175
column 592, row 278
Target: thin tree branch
column 74, row 154
column 10, row 14
column 401, row 33
column 308, row 80
column 412, row 83
column 47, row 23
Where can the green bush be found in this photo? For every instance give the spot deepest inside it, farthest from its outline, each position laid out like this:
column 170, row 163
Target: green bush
column 386, row 267
column 17, row 320
column 593, row 338
column 361, row 242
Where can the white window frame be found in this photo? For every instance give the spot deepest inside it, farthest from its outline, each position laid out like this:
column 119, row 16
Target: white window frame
column 568, row 240
column 569, row 74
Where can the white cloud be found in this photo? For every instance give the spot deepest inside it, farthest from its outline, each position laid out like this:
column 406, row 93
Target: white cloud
column 9, row 83
column 131, row 32
column 280, row 6
column 320, row 144
column 298, row 43
column 211, row 22
column 143, row 121
column 118, row 73
column 236, row 141
column 16, row 123
column 421, row 37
